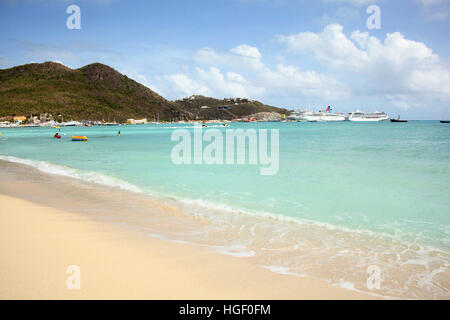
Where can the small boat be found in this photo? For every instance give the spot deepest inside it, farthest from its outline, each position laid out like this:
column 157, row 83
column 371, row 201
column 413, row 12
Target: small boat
column 445, row 121
column 57, row 136
column 70, row 124
column 398, row 120
column 79, row 138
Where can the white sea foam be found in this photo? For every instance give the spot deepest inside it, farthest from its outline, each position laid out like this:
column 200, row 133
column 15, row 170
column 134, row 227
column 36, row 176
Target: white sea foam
column 385, row 245
column 234, row 250
column 165, row 238
column 222, row 214
column 192, row 204
column 92, row 177
column 213, row 206
column 283, row 270
column 231, row 250
column 351, row 287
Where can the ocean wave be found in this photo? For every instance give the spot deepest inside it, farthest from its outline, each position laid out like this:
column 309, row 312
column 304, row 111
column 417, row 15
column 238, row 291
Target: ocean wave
column 422, row 264
column 87, row 176
column 214, row 207
column 427, row 262
column 208, row 209
column 192, row 206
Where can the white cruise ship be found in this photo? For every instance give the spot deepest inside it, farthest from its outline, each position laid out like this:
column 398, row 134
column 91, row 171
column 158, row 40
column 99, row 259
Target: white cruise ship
column 359, row 116
column 319, row 116
column 298, row 115
column 324, row 116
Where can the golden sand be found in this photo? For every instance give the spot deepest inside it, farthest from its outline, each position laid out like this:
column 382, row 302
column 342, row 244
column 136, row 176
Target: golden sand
column 39, row 243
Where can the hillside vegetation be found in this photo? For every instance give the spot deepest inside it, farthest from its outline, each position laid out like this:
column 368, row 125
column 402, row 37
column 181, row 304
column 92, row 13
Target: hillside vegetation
column 98, row 92
column 94, row 92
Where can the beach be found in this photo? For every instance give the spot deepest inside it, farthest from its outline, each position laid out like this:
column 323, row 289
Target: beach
column 225, row 150
column 351, row 204
column 39, row 243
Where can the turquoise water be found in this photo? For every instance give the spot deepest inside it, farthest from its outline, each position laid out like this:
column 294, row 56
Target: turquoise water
column 385, row 178
column 391, row 178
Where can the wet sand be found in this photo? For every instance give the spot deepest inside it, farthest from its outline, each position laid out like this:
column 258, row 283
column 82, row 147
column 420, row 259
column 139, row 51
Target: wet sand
column 39, row 242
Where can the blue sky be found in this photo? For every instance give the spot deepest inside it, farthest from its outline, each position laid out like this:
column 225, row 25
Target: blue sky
column 289, row 53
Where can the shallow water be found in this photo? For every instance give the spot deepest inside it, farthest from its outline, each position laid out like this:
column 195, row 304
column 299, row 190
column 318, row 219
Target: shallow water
column 346, row 196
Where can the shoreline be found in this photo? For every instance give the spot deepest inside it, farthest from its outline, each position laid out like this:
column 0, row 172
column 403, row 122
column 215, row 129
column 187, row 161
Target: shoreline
column 150, row 220
column 39, row 243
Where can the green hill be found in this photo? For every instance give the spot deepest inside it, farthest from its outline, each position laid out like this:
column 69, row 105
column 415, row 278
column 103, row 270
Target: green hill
column 204, row 108
column 94, row 92
column 98, row 92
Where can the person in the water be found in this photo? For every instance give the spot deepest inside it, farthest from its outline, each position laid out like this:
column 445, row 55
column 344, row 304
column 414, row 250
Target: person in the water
column 118, row 134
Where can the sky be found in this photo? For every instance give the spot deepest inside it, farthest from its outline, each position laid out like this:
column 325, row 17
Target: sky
column 287, row 53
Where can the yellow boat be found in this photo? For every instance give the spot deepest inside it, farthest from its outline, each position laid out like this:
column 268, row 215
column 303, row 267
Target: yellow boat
column 79, row 138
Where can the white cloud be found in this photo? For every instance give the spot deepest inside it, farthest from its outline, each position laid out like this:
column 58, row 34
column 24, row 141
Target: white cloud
column 291, row 80
column 234, row 85
column 435, row 9
column 209, row 56
column 235, row 77
column 143, row 80
column 395, row 67
column 212, row 82
column 246, row 51
column 184, row 86
column 60, row 62
column 331, row 47
column 259, row 81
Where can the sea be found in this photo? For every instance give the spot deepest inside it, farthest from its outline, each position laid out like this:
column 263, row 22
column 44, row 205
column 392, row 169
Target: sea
column 363, row 206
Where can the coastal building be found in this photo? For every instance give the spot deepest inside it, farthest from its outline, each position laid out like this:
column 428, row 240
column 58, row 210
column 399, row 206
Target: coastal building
column 238, row 100
column 44, row 117
column 19, row 118
column 133, row 121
